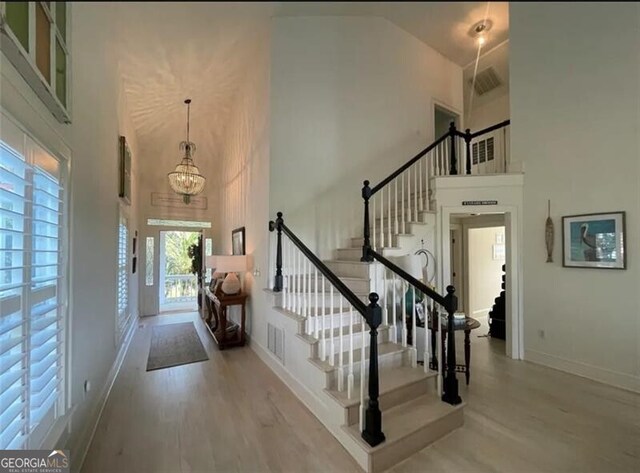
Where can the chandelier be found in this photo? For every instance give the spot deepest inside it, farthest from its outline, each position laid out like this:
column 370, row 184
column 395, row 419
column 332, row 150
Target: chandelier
column 186, row 180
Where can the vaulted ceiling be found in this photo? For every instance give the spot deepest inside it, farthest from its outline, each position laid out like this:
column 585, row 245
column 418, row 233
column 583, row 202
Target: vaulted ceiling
column 173, row 50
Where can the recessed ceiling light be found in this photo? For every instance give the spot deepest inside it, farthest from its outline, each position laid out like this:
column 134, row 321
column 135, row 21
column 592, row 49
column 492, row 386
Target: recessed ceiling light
column 479, row 31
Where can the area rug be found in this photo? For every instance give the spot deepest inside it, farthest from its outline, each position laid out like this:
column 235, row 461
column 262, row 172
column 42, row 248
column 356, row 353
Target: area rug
column 173, row 345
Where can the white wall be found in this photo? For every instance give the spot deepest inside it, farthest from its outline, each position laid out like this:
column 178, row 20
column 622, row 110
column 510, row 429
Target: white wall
column 351, row 99
column 242, row 181
column 99, row 116
column 575, row 78
column 492, row 107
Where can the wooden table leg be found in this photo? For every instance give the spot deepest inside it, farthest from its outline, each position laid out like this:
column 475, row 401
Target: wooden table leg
column 467, row 355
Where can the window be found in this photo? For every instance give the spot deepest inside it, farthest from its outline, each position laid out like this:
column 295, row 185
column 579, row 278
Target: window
column 149, row 261
column 124, row 314
column 483, row 151
column 36, row 44
column 33, row 289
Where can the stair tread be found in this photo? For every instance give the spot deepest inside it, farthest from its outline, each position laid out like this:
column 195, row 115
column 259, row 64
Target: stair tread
column 391, row 378
column 384, row 348
column 403, row 420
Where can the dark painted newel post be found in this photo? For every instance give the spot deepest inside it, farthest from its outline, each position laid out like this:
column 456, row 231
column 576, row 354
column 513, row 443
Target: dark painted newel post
column 453, row 163
column 277, row 225
column 450, row 394
column 467, row 140
column 366, row 247
column 372, row 433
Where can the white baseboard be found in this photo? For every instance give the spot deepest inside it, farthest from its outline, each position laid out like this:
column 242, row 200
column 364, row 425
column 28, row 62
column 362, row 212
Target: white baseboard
column 613, row 378
column 84, row 441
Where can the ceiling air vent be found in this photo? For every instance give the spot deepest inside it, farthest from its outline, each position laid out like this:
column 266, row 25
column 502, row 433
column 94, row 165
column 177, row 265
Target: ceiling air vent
column 486, row 81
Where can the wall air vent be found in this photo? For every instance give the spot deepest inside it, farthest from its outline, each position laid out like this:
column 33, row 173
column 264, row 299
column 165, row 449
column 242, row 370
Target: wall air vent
column 486, row 81
column 275, row 341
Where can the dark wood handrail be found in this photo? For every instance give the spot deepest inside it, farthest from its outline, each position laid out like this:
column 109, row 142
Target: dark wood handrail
column 342, row 288
column 491, row 128
column 419, row 285
column 409, row 163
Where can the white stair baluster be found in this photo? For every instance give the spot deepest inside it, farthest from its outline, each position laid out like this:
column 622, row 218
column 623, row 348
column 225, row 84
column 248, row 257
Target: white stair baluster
column 415, row 193
column 409, row 210
column 303, row 281
column 332, row 359
column 421, row 188
column 340, row 357
column 350, row 379
column 427, row 309
column 403, row 301
column 395, row 206
column 316, row 308
column 404, row 222
column 394, row 291
column 385, row 298
column 294, row 304
column 308, row 297
column 414, row 333
column 324, row 325
column 285, row 273
column 446, row 158
column 373, row 233
column 363, row 375
column 381, row 219
column 389, row 239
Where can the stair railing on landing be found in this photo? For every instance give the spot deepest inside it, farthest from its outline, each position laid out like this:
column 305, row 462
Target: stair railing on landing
column 297, row 269
column 449, row 303
column 401, row 196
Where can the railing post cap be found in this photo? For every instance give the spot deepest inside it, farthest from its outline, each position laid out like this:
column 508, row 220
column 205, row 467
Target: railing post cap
column 374, row 298
column 279, row 214
column 468, row 131
column 451, row 290
column 452, row 125
column 366, row 183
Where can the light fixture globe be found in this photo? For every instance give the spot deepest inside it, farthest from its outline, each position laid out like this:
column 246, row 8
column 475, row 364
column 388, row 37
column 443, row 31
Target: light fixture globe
column 186, row 179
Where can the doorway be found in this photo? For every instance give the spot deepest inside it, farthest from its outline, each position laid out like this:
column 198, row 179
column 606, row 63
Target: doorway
column 178, row 281
column 442, row 118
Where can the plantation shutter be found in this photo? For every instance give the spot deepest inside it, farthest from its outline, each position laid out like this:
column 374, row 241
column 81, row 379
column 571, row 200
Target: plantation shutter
column 32, row 289
column 123, row 277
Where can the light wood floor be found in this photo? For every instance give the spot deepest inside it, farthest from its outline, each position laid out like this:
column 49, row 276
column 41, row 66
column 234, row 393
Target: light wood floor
column 232, row 413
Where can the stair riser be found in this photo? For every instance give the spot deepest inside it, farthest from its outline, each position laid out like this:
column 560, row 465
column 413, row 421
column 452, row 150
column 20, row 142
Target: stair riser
column 383, row 336
column 351, row 269
column 393, row 398
column 354, row 254
column 389, row 360
column 344, row 320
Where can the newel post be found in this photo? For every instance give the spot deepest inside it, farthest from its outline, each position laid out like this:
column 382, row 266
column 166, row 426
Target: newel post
column 467, row 140
column 453, row 163
column 372, row 433
column 366, row 247
column 450, row 388
column 277, row 225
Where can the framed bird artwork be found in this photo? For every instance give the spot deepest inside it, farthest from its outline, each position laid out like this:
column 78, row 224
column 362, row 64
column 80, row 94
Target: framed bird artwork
column 594, row 241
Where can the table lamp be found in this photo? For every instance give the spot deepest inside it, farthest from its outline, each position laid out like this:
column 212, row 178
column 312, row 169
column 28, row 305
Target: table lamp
column 230, row 264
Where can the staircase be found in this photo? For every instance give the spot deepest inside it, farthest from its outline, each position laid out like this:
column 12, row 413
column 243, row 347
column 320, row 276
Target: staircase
column 361, row 377
column 498, row 313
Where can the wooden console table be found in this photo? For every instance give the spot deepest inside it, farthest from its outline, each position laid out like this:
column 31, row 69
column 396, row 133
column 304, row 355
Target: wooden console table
column 216, row 318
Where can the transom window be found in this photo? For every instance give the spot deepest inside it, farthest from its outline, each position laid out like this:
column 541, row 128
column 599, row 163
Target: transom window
column 38, row 47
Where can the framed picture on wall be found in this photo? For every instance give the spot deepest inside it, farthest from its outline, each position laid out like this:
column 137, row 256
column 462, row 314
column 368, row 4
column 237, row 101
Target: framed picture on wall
column 237, row 241
column 124, row 175
column 594, row 241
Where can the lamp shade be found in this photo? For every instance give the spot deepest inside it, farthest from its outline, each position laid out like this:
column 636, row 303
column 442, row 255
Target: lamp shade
column 228, row 263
